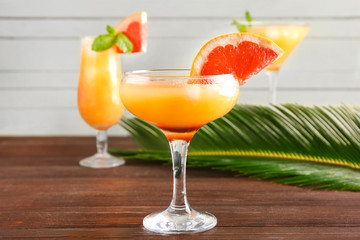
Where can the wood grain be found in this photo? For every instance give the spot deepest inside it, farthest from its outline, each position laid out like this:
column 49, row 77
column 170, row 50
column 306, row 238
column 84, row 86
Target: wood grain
column 45, row 194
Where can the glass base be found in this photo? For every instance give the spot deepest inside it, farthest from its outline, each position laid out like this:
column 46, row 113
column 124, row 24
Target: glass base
column 169, row 223
column 102, row 161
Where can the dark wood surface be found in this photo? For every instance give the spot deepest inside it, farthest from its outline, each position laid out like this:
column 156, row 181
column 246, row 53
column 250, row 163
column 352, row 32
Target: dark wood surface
column 44, row 193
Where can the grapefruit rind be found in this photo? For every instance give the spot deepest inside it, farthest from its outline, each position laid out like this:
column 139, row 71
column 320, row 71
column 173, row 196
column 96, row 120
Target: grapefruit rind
column 230, row 39
column 141, row 18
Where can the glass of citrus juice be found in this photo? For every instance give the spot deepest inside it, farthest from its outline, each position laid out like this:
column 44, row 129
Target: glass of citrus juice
column 179, row 105
column 99, row 100
column 287, row 35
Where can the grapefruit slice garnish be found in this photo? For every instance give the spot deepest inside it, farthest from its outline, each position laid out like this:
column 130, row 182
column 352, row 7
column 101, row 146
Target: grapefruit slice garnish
column 135, row 28
column 241, row 54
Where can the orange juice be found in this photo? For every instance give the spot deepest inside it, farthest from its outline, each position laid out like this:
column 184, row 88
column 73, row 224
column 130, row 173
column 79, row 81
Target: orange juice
column 286, row 36
column 179, row 109
column 99, row 100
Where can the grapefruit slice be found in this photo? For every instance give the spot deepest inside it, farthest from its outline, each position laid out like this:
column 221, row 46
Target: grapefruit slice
column 241, row 54
column 135, row 28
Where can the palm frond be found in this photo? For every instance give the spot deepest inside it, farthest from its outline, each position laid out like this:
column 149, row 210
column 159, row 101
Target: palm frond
column 294, row 144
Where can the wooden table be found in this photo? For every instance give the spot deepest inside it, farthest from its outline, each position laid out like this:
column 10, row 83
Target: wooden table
column 44, row 193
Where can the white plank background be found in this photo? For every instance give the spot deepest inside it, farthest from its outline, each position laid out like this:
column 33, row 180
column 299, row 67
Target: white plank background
column 39, row 52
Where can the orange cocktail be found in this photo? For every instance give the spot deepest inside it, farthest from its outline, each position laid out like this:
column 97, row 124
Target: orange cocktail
column 180, row 102
column 179, row 105
column 99, row 100
column 287, row 36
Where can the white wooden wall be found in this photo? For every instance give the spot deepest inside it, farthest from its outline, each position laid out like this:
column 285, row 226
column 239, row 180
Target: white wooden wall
column 39, row 52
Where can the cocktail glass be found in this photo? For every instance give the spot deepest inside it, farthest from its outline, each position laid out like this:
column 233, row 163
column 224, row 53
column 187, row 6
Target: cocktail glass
column 285, row 34
column 99, row 100
column 179, row 105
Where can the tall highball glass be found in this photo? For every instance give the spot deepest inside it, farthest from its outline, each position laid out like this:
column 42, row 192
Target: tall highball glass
column 99, row 100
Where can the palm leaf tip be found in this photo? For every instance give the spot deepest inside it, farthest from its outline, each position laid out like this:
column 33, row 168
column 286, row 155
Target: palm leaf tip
column 296, row 145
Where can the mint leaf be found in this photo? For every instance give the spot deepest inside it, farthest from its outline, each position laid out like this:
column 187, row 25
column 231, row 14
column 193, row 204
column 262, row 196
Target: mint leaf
column 124, row 43
column 248, row 18
column 110, row 30
column 103, row 42
column 240, row 27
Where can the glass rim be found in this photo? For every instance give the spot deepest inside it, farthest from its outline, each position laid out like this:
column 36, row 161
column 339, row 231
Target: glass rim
column 160, row 74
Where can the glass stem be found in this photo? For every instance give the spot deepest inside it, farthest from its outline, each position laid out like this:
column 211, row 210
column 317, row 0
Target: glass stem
column 179, row 203
column 273, row 81
column 101, row 142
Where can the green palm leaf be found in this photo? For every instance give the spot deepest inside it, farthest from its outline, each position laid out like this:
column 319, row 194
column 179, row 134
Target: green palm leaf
column 294, row 144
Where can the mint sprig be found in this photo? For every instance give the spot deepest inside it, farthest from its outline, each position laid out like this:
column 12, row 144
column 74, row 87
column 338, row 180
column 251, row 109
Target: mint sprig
column 103, row 42
column 242, row 27
column 106, row 41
